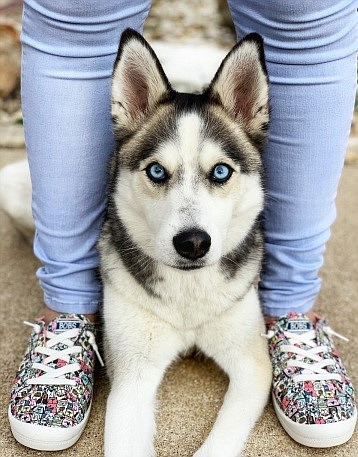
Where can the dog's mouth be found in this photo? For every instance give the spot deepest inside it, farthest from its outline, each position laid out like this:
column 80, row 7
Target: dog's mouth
column 187, row 266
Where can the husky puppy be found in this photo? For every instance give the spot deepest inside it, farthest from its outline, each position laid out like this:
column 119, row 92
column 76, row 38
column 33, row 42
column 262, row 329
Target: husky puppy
column 181, row 245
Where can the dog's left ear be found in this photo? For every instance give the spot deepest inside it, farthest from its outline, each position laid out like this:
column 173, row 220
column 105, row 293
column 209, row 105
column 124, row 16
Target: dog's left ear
column 138, row 81
column 241, row 86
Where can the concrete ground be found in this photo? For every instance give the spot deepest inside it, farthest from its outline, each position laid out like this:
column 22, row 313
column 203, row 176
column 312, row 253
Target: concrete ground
column 193, row 390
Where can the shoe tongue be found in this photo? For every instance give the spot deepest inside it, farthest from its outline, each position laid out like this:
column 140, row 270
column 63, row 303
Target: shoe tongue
column 64, row 322
column 298, row 323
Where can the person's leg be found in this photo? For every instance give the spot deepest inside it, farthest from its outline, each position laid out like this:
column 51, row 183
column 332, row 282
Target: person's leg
column 68, row 54
column 310, row 50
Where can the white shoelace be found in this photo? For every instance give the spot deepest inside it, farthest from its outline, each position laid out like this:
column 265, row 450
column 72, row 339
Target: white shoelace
column 56, row 376
column 315, row 370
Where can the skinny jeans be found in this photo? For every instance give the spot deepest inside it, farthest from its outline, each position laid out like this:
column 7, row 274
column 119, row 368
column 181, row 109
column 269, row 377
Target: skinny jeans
column 69, row 49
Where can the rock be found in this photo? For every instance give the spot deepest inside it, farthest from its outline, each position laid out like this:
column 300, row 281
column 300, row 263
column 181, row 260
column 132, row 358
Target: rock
column 11, row 136
column 225, row 15
column 10, row 58
column 188, row 21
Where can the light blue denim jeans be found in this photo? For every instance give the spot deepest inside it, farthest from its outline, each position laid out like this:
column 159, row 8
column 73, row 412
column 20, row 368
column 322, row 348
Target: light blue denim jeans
column 68, row 53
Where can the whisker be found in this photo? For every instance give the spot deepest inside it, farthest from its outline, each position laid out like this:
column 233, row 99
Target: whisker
column 230, row 260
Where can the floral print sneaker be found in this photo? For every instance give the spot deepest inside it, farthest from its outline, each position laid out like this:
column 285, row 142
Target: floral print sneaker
column 312, row 395
column 52, row 391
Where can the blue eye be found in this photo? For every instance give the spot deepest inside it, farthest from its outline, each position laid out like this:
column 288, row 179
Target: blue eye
column 156, row 172
column 221, row 173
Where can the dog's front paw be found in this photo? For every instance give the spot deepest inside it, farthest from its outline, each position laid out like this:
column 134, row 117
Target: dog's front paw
column 130, row 426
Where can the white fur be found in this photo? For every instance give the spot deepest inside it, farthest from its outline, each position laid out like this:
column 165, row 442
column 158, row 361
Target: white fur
column 239, row 64
column 242, row 86
column 145, row 332
column 153, row 220
column 144, row 338
column 136, row 65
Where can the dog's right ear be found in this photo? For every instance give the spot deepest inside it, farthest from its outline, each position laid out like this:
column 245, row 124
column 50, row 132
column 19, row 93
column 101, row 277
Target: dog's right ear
column 138, row 81
column 241, row 87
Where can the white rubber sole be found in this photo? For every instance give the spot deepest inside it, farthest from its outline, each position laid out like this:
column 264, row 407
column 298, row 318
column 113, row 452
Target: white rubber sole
column 44, row 438
column 317, row 435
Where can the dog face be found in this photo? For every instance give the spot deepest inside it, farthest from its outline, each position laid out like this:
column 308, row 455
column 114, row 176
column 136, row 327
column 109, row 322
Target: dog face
column 186, row 179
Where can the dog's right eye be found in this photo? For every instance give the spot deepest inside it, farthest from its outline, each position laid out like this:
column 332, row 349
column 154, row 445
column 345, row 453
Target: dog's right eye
column 221, row 173
column 156, row 172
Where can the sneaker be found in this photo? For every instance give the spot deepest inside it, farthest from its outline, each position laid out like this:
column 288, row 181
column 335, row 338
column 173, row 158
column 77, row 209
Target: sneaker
column 52, row 391
column 312, row 395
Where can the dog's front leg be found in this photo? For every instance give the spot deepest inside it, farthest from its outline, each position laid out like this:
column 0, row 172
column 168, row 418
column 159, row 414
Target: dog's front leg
column 242, row 353
column 139, row 361
column 243, row 404
column 130, row 421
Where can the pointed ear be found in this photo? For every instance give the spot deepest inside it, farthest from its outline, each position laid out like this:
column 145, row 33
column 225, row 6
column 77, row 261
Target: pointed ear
column 138, row 81
column 241, row 86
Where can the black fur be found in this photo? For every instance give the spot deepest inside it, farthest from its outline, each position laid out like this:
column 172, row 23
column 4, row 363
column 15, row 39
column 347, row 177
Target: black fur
column 140, row 265
column 250, row 249
column 143, row 145
column 216, row 130
column 181, row 103
column 136, row 145
column 130, row 34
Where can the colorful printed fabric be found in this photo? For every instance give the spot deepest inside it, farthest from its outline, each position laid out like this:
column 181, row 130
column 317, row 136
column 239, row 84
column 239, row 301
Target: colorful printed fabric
column 55, row 405
column 313, row 400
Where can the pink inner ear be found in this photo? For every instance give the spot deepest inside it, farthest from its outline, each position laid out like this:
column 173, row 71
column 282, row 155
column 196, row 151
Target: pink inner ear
column 244, row 95
column 243, row 107
column 137, row 93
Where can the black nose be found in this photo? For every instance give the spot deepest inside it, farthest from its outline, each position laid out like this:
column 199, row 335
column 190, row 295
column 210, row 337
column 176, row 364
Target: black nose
column 192, row 244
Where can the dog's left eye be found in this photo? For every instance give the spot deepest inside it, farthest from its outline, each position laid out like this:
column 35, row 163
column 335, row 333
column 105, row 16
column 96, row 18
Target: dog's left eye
column 156, row 172
column 221, row 173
